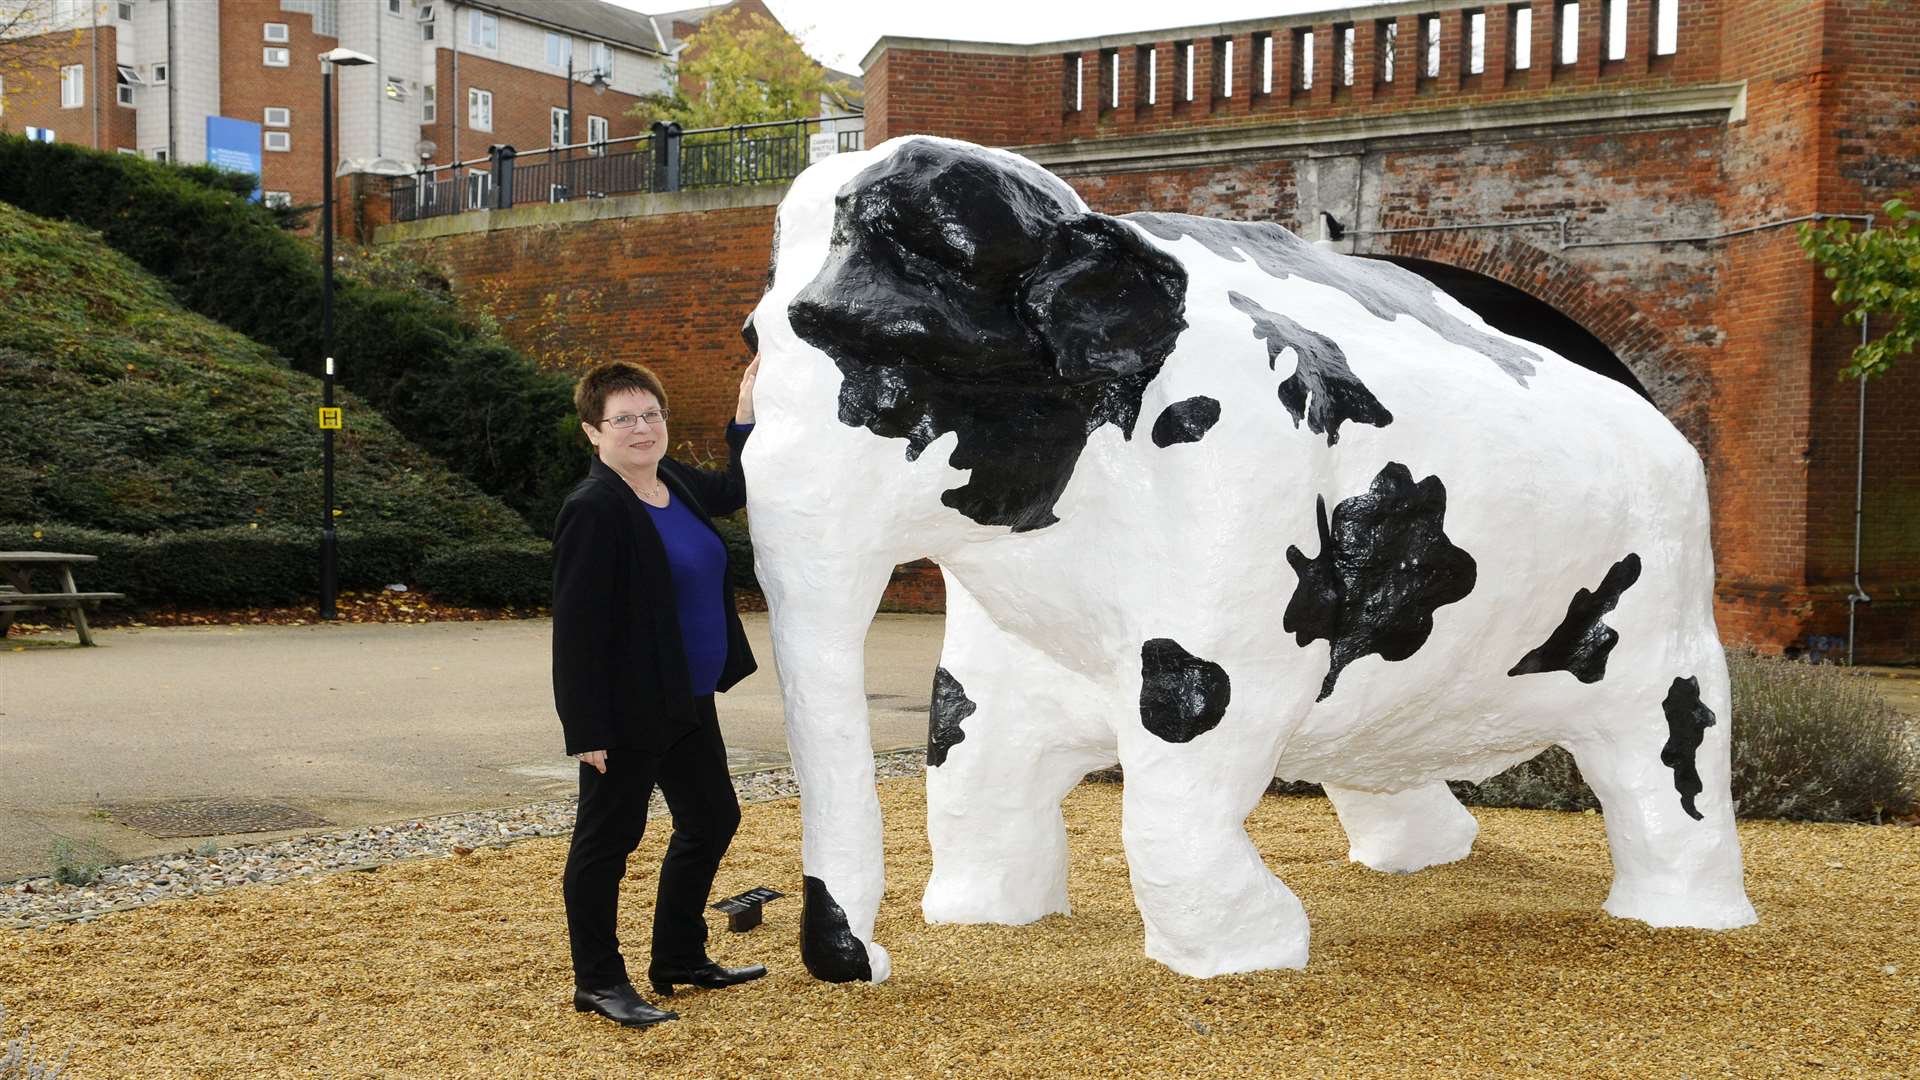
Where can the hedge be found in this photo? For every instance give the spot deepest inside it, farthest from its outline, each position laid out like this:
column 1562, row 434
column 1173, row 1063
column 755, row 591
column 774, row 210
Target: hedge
column 465, row 397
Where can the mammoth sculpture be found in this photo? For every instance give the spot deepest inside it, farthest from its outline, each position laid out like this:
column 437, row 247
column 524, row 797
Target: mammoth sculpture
column 1219, row 505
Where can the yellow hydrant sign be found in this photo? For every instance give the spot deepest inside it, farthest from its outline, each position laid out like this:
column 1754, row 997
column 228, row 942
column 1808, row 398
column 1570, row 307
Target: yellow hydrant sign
column 330, row 419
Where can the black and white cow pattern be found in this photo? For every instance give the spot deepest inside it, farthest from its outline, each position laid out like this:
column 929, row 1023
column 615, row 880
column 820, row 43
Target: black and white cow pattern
column 964, row 292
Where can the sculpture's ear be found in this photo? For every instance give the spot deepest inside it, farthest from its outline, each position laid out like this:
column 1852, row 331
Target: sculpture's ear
column 1105, row 300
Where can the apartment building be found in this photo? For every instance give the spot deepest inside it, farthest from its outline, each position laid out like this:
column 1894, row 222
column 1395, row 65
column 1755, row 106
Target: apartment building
column 450, row 78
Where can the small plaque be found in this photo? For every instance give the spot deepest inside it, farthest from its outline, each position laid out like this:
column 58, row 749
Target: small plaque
column 743, row 911
column 330, row 419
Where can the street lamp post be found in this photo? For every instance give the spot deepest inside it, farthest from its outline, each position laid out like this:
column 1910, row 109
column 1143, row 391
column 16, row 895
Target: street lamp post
column 599, row 84
column 329, row 549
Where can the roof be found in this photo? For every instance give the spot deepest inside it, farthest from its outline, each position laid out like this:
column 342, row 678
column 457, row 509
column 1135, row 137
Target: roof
column 693, row 16
column 588, row 18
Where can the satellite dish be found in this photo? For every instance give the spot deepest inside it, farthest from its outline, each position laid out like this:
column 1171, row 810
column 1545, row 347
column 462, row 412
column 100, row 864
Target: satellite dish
column 426, row 148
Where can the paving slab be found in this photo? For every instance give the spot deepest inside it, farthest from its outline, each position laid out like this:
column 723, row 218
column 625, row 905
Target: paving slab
column 352, row 724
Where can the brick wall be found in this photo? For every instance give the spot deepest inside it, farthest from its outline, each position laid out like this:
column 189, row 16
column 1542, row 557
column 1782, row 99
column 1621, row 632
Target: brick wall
column 248, row 87
column 33, row 98
column 523, row 100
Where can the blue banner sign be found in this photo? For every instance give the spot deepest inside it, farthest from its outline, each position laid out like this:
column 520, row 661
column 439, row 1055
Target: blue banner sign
column 235, row 145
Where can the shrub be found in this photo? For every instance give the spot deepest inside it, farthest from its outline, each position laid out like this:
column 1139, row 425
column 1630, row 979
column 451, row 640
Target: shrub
column 463, row 396
column 1818, row 743
column 519, row 575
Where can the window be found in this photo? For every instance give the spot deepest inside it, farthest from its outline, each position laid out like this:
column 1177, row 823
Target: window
column 122, row 87
column 426, row 31
column 73, row 86
column 559, row 128
column 1303, row 60
column 1666, row 26
column 275, row 57
column 596, row 135
column 603, row 58
column 1522, row 37
column 1345, row 43
column 279, row 141
column 159, row 153
column 396, row 7
column 1386, row 35
column 1569, row 16
column 274, row 31
column 159, row 74
column 559, row 49
column 127, row 150
column 1225, row 53
column 429, row 110
column 1186, row 65
column 480, row 109
column 279, row 116
column 1112, row 67
column 1430, row 35
column 396, row 89
column 483, row 30
column 477, row 186
column 276, row 198
column 39, row 134
column 1616, row 30
column 1075, row 84
column 1146, row 66
column 1476, row 42
column 66, row 10
column 126, row 15
column 1263, row 44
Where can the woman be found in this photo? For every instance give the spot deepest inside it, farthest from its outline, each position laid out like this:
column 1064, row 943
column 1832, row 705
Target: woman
column 644, row 634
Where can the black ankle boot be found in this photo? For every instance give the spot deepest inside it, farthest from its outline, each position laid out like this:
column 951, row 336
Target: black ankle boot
column 707, row 976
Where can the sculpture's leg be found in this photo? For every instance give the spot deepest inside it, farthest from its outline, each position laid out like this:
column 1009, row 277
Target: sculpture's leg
column 1210, row 904
column 1669, row 867
column 1406, row 830
column 1011, row 733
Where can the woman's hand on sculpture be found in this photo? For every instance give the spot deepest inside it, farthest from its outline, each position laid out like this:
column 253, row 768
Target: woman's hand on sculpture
column 743, row 413
column 595, row 758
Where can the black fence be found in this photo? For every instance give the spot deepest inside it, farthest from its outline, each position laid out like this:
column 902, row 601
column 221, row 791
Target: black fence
column 669, row 159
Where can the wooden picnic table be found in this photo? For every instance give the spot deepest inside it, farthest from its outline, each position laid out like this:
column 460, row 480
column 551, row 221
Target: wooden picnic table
column 16, row 593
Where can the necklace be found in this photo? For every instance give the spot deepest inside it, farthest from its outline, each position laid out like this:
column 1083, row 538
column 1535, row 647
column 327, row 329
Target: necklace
column 659, row 492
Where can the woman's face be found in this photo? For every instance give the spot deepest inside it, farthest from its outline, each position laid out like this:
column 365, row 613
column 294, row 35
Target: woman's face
column 639, row 447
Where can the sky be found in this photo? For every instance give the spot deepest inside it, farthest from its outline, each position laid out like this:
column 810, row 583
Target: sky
column 838, row 33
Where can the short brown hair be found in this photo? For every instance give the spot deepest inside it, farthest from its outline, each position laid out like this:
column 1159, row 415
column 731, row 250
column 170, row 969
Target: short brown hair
column 590, row 394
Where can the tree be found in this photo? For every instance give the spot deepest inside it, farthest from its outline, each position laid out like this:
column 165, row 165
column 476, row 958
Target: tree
column 27, row 51
column 747, row 70
column 1878, row 273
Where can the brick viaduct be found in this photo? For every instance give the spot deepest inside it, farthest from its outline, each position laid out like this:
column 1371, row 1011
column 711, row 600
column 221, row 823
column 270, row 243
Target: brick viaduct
column 1634, row 213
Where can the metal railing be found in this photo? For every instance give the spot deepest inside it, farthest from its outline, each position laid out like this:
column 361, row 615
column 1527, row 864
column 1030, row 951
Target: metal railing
column 668, row 159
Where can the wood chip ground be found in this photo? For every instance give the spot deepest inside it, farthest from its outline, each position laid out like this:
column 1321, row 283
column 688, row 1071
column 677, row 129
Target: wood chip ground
column 1501, row 965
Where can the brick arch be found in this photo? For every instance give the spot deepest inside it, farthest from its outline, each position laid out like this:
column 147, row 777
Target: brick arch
column 1671, row 376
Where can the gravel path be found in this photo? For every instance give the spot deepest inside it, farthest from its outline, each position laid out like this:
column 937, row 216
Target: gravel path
column 38, row 902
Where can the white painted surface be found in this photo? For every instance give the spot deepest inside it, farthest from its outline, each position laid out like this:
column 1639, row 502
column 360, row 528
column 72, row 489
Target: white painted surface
column 1547, row 486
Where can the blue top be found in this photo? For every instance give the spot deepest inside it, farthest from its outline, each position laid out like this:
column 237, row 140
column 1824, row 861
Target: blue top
column 697, row 561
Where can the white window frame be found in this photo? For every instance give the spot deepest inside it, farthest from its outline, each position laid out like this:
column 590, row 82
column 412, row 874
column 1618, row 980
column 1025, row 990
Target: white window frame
column 396, row 89
column 559, row 50
column 40, row 134
column 127, row 150
column 601, row 55
column 598, row 129
column 276, row 56
column 124, row 13
column 160, row 74
column 285, row 114
column 426, row 31
column 559, row 128
column 479, row 109
column 1522, row 36
column 283, row 138
column 479, row 189
column 429, row 108
column 276, row 198
column 123, row 93
column 73, row 86
column 275, row 32
column 483, row 30
column 158, row 153
column 396, row 7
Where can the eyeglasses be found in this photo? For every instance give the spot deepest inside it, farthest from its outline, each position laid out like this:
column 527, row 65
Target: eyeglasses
column 626, row 420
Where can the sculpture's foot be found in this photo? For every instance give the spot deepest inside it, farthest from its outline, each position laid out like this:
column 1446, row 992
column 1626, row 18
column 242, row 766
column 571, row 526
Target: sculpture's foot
column 1404, row 831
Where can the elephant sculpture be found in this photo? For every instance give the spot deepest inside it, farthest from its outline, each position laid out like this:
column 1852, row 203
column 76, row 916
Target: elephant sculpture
column 1217, row 504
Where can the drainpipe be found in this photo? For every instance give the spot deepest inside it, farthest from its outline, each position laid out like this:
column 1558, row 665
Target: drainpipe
column 453, row 103
column 93, row 17
column 1859, row 595
column 173, row 100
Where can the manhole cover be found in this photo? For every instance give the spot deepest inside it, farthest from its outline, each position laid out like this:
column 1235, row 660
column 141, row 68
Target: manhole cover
column 211, row 817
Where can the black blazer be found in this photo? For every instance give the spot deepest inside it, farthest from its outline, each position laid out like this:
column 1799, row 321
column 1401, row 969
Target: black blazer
column 619, row 668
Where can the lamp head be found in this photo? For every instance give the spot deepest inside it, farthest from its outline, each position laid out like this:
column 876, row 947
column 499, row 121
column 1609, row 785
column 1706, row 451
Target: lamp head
column 346, row 58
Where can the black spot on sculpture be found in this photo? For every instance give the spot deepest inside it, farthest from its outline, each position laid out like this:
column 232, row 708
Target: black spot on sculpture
column 1186, row 421
column 1384, row 566
column 1321, row 374
column 1181, row 696
column 1687, row 724
column 950, row 706
column 1581, row 642
column 827, row 944
column 964, row 291
column 1381, row 287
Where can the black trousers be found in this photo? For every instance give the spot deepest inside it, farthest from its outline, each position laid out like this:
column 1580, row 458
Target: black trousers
column 692, row 775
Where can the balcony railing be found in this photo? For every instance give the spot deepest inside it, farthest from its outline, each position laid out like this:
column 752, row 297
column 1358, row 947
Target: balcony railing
column 668, row 159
